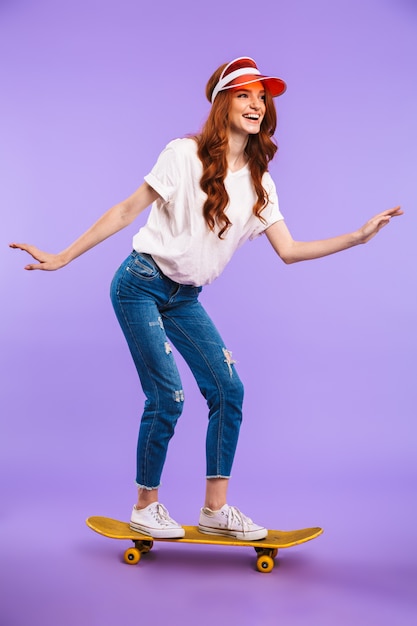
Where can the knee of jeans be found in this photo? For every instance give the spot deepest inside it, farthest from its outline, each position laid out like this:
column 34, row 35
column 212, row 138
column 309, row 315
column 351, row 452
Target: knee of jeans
column 173, row 407
column 231, row 389
column 230, row 383
column 178, row 397
column 170, row 402
column 238, row 391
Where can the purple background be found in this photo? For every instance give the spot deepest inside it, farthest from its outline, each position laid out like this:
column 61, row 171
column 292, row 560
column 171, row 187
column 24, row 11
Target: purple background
column 91, row 91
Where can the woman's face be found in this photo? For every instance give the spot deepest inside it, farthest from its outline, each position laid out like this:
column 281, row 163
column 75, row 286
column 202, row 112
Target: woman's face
column 247, row 109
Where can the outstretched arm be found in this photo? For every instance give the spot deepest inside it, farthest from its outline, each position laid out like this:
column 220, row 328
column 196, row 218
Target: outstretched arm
column 291, row 251
column 116, row 218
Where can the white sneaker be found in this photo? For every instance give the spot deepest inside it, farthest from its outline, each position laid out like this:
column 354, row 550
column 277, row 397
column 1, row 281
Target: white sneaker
column 229, row 521
column 154, row 520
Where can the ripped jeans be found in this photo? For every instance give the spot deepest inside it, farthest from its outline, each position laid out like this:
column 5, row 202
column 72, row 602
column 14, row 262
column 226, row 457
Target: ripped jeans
column 153, row 311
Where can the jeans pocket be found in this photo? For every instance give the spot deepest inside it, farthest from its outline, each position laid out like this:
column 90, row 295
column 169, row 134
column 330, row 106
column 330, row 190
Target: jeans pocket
column 143, row 266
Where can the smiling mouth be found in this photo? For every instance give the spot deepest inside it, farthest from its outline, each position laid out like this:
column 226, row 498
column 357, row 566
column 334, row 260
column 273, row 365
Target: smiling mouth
column 254, row 117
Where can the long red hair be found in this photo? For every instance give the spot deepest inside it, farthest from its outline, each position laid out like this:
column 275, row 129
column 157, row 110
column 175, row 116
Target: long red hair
column 212, row 145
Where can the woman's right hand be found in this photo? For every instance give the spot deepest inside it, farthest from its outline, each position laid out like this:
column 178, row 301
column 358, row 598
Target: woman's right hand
column 116, row 218
column 47, row 262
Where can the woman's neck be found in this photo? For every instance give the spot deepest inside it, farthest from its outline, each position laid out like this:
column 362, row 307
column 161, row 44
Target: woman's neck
column 236, row 155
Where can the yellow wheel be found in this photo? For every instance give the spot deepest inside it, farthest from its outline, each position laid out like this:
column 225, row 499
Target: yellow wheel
column 265, row 563
column 132, row 556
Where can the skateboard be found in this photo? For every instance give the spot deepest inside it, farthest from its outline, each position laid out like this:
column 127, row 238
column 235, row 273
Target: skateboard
column 266, row 549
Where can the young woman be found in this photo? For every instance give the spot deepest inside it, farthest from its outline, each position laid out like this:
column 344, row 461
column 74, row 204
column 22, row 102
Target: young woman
column 209, row 194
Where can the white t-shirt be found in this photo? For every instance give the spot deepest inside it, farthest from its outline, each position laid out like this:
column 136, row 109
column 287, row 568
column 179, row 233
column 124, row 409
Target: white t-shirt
column 176, row 233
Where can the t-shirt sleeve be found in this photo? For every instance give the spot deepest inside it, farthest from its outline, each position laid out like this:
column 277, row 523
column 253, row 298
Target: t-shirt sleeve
column 271, row 212
column 164, row 175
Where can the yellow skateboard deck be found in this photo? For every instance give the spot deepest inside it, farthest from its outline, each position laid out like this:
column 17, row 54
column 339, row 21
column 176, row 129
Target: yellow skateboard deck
column 266, row 549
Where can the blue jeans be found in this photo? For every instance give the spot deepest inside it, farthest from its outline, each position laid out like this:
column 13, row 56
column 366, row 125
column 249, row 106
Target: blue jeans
column 153, row 311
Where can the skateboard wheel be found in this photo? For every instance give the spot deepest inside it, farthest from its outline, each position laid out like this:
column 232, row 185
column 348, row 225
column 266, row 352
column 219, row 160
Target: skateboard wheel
column 132, row 556
column 265, row 563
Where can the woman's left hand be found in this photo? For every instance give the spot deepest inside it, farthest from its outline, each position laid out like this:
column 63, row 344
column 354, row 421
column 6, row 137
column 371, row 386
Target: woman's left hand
column 374, row 225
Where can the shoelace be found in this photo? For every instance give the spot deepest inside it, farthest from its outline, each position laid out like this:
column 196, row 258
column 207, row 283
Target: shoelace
column 161, row 515
column 235, row 515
